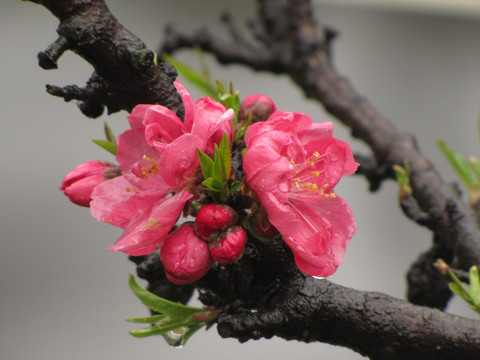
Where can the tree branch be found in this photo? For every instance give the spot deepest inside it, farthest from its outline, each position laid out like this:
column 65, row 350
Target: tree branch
column 125, row 71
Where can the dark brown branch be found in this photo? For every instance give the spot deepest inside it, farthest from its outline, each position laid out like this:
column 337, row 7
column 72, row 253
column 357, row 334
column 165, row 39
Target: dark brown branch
column 125, row 71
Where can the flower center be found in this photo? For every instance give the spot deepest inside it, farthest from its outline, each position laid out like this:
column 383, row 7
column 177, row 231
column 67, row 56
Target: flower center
column 306, row 178
column 151, row 168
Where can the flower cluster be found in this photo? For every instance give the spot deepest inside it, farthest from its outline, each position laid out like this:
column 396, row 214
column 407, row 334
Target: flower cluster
column 168, row 167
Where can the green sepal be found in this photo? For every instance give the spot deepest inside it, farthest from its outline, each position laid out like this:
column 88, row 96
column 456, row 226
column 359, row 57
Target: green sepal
column 206, row 164
column 459, row 164
column 111, row 147
column 196, row 78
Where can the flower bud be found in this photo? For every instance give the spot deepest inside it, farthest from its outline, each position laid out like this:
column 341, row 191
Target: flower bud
column 260, row 106
column 80, row 182
column 229, row 248
column 185, row 257
column 213, row 218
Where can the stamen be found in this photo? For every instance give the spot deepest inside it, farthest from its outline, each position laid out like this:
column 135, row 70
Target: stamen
column 153, row 167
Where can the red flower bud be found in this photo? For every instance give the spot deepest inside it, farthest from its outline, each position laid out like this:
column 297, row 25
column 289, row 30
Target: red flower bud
column 212, row 218
column 185, row 257
column 260, row 106
column 80, row 182
column 229, row 248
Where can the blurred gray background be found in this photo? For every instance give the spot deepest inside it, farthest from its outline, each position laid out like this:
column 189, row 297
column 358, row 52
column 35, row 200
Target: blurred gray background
column 64, row 296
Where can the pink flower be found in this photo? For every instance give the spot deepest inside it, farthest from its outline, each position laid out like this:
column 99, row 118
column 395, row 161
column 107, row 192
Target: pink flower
column 159, row 163
column 80, row 182
column 260, row 106
column 212, row 218
column 185, row 256
column 229, row 246
column 293, row 166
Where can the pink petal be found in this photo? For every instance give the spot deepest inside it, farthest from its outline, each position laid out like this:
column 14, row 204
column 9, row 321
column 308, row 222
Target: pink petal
column 180, row 160
column 162, row 126
column 146, row 233
column 188, row 104
column 117, row 201
column 135, row 118
column 131, row 149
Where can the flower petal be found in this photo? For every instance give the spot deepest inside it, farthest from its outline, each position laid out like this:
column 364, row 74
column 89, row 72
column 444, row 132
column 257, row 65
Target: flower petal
column 116, row 202
column 188, row 105
column 180, row 159
column 146, row 233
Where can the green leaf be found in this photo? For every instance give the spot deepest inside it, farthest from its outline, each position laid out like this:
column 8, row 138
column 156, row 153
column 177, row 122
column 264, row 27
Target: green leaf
column 241, row 133
column 226, row 156
column 218, row 172
column 475, row 285
column 213, row 184
column 147, row 319
column 109, row 133
column 234, row 187
column 459, row 164
column 206, row 163
column 403, row 179
column 111, row 147
column 199, row 80
column 457, row 290
column 192, row 330
column 146, row 331
column 475, row 165
column 159, row 304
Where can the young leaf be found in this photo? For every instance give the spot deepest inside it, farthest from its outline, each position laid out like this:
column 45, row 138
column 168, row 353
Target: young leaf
column 206, row 163
column 403, row 179
column 196, row 78
column 109, row 133
column 458, row 162
column 160, row 305
column 226, row 156
column 111, row 147
column 188, row 334
column 475, row 285
column 213, row 184
column 241, row 133
column 147, row 319
column 234, row 187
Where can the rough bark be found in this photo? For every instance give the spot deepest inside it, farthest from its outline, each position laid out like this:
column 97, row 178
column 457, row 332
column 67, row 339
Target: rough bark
column 125, row 71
